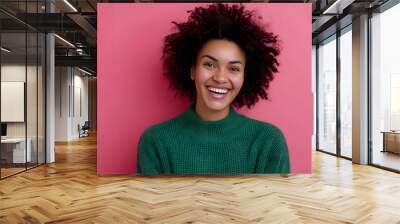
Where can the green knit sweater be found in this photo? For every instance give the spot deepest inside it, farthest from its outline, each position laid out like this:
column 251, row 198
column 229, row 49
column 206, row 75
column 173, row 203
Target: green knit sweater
column 235, row 144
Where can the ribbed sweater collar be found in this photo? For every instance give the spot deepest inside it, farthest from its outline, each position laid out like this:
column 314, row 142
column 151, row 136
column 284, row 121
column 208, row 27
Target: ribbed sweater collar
column 228, row 123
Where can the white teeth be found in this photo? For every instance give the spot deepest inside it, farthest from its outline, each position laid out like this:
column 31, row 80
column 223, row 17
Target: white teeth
column 218, row 90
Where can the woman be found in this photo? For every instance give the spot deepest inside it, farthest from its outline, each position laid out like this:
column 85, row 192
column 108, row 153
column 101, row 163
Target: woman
column 219, row 58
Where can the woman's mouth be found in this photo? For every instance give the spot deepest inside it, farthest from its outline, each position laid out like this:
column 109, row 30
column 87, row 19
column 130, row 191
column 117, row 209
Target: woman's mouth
column 217, row 93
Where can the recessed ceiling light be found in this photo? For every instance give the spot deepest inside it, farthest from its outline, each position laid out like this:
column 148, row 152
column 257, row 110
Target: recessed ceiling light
column 5, row 50
column 337, row 7
column 84, row 71
column 64, row 40
column 70, row 5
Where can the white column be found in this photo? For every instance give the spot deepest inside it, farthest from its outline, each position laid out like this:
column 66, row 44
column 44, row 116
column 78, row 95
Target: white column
column 50, row 100
column 360, row 90
column 50, row 92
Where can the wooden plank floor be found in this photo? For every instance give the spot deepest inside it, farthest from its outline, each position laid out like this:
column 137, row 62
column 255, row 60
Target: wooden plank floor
column 10, row 171
column 70, row 191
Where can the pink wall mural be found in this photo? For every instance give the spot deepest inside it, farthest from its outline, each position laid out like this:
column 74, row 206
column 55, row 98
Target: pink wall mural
column 133, row 94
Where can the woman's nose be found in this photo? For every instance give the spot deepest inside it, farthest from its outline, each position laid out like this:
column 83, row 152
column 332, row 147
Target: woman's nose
column 220, row 76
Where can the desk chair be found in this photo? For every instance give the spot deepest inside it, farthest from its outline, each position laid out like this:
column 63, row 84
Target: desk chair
column 84, row 130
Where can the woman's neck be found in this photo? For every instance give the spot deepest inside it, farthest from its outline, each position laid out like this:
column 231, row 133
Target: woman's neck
column 210, row 115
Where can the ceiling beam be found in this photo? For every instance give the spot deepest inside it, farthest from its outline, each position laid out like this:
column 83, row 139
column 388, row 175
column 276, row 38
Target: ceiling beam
column 85, row 61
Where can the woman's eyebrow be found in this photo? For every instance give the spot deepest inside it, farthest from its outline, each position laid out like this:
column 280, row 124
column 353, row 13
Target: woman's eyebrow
column 214, row 59
column 210, row 57
column 235, row 62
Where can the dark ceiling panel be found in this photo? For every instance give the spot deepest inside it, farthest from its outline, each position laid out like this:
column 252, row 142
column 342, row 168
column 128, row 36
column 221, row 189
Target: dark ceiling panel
column 49, row 22
column 81, row 61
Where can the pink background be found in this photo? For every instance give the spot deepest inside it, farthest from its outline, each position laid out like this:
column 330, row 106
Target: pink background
column 133, row 94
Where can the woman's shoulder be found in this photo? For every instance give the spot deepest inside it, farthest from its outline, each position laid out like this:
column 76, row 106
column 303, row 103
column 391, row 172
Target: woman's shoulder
column 164, row 127
column 267, row 128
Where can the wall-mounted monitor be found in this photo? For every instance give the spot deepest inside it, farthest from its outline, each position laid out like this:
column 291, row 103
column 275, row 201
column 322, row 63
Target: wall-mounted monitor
column 12, row 101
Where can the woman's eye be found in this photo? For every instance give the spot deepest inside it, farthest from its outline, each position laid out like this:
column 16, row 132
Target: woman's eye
column 209, row 65
column 235, row 69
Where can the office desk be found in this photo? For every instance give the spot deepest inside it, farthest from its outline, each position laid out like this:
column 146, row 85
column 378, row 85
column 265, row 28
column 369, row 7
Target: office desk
column 15, row 148
column 391, row 141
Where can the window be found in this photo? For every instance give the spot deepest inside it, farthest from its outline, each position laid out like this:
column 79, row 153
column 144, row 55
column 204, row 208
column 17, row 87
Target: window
column 385, row 88
column 327, row 95
column 346, row 93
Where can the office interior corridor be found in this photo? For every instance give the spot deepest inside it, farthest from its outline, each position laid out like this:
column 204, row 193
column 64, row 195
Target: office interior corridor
column 70, row 191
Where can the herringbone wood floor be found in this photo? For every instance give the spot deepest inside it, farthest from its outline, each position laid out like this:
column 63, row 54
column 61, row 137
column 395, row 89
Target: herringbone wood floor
column 70, row 191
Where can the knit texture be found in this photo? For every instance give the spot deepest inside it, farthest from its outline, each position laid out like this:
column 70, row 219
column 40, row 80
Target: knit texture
column 236, row 144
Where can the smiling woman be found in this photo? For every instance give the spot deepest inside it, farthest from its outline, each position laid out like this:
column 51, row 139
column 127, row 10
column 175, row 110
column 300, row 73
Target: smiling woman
column 220, row 58
column 218, row 75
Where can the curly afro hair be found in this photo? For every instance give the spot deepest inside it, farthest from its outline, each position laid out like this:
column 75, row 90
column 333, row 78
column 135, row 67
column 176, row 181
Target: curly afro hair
column 222, row 21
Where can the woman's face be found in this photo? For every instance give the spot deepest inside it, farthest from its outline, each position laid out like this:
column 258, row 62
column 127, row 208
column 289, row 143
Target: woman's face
column 218, row 74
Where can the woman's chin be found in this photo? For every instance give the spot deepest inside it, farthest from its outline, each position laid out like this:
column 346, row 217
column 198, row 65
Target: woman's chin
column 217, row 105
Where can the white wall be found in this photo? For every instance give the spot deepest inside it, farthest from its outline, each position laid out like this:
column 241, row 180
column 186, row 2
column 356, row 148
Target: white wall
column 14, row 73
column 71, row 93
column 62, row 78
column 79, row 117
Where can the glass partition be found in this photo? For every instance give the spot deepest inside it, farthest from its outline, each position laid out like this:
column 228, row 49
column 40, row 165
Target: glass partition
column 22, row 77
column 13, row 110
column 327, row 95
column 32, row 95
